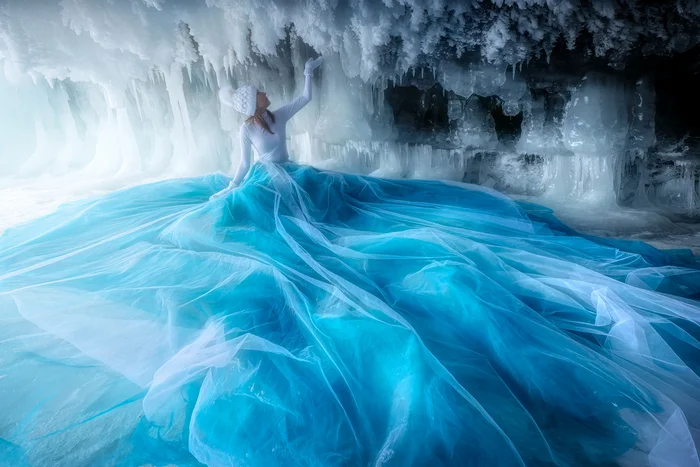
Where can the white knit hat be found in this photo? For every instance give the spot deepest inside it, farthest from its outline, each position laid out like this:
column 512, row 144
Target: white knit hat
column 243, row 99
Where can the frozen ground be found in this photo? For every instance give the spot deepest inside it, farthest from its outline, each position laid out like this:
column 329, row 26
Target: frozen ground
column 31, row 200
column 633, row 224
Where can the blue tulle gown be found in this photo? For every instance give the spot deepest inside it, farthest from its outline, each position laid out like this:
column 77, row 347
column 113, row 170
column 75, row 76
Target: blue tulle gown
column 314, row 318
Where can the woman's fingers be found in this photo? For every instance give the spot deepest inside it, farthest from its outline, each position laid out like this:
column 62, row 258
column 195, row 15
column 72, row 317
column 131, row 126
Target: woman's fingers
column 221, row 193
column 312, row 64
column 316, row 63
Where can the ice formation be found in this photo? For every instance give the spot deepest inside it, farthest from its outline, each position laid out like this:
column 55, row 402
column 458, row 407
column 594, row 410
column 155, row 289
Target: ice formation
column 99, row 94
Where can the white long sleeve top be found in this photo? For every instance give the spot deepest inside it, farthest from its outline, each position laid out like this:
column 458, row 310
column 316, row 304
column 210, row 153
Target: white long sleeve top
column 270, row 147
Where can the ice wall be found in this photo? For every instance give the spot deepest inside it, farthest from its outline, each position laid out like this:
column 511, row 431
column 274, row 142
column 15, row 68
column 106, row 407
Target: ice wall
column 98, row 94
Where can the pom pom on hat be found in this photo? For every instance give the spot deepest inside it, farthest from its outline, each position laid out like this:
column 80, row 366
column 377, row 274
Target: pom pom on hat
column 243, row 99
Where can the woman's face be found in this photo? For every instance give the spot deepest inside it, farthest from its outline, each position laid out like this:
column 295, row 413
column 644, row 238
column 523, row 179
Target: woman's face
column 262, row 101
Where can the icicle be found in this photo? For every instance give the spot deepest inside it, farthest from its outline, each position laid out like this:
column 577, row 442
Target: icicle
column 231, row 60
column 136, row 98
column 207, row 64
column 34, row 76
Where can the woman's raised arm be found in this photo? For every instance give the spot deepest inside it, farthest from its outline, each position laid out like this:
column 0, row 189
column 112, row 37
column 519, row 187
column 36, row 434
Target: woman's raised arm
column 284, row 113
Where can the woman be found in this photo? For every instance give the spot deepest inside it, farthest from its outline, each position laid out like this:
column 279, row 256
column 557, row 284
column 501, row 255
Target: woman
column 315, row 318
column 264, row 130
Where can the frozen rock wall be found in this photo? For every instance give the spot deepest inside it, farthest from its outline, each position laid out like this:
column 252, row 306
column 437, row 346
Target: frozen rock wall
column 561, row 100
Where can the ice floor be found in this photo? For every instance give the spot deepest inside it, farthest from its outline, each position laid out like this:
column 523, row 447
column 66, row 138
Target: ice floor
column 34, row 199
column 625, row 223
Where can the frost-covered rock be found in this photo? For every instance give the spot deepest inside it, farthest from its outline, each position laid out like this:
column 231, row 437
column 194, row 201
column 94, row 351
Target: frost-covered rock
column 125, row 91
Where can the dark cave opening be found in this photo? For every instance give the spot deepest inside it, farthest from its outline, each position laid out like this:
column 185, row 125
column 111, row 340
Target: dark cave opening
column 418, row 110
column 508, row 128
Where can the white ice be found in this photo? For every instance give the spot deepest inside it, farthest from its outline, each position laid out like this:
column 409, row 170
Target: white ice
column 96, row 95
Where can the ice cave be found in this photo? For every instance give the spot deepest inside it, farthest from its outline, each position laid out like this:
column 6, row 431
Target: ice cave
column 585, row 108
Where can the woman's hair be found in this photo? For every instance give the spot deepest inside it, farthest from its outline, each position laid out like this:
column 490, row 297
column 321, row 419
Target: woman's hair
column 257, row 118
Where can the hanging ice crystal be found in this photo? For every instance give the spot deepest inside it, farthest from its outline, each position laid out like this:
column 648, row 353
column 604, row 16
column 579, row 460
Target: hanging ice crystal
column 456, row 78
column 101, row 94
column 633, row 178
column 511, row 108
column 594, row 131
column 642, row 126
column 533, row 136
column 488, row 79
column 343, row 116
column 595, row 119
column 475, row 127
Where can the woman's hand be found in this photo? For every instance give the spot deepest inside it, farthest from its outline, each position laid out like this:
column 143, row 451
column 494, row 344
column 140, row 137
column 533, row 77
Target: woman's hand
column 311, row 65
column 231, row 186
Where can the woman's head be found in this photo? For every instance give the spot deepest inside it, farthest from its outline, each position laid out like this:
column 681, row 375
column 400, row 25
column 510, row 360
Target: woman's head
column 243, row 99
column 261, row 105
column 250, row 102
column 262, row 102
